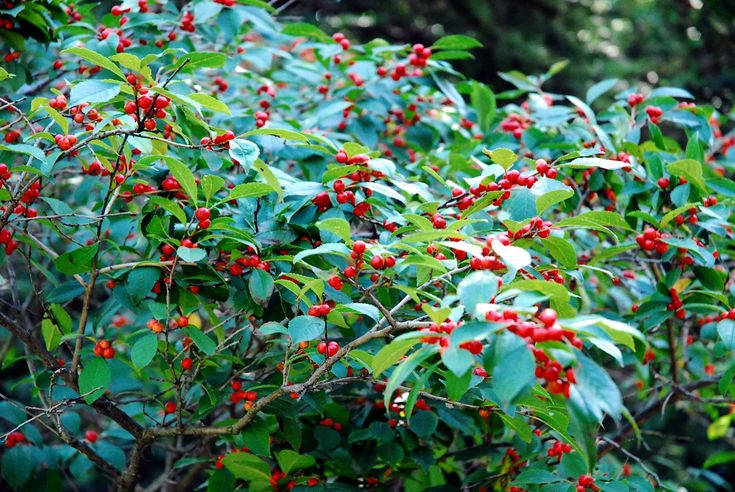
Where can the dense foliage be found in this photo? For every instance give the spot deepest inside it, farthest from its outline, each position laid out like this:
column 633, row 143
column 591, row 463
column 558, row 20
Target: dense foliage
column 685, row 43
column 240, row 254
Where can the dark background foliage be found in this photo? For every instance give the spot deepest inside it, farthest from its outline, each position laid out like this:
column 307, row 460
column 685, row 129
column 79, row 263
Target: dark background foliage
column 684, row 43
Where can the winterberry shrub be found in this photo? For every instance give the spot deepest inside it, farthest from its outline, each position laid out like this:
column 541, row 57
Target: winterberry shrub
column 238, row 254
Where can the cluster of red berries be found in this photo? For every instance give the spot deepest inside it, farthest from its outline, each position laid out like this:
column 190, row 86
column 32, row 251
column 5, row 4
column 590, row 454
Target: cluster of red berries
column 335, row 282
column 238, row 394
column 123, row 43
column 515, row 124
column 13, row 55
column 343, row 196
column 153, row 106
column 328, row 348
column 118, row 10
column 542, row 228
column 95, row 169
column 651, row 240
column 331, row 423
column 379, row 262
column 58, row 102
column 222, row 84
column 544, row 169
column 486, row 263
column 559, row 449
column 104, row 349
column 202, row 214
column 187, row 22
column 12, row 136
column 155, row 326
column 635, row 99
column 65, row 142
column 586, row 482
column 447, row 327
column 249, row 261
column 261, row 118
column 319, row 310
column 342, row 40
column 558, row 381
column 14, row 438
column 676, row 304
column 420, row 55
column 654, row 113
column 717, row 317
column 222, row 140
column 6, row 239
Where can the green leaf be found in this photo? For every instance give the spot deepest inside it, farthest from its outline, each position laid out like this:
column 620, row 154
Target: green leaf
column 306, row 30
column 561, row 250
column 184, row 176
column 245, row 152
column 595, row 392
column 289, row 461
column 202, row 340
column 514, row 257
column 261, row 286
column 726, row 330
column 423, row 423
column 94, row 379
column 457, row 360
column 247, row 466
column 17, row 465
column 93, row 91
column 690, row 170
column 719, row 458
column 209, row 102
column 456, row 42
column 202, row 59
column 337, row 226
column 140, row 281
column 405, row 369
column 390, row 354
column 211, row 184
column 553, row 197
column 595, row 218
column 483, row 100
column 305, row 328
column 367, row 309
column 586, row 162
column 504, row 157
column 279, row 132
column 476, row 288
column 96, row 59
column 250, row 190
column 519, row 425
column 144, row 350
column 599, row 89
column 191, row 255
column 76, row 261
column 51, row 334
column 514, row 371
column 336, row 248
column 719, row 427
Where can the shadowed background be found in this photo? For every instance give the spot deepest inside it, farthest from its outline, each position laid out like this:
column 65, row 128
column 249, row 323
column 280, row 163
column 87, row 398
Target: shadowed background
column 684, row 43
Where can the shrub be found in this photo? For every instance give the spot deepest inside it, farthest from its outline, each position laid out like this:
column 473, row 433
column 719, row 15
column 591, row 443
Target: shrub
column 237, row 251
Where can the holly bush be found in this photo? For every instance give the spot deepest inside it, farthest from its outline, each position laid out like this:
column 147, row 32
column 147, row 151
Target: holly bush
column 243, row 254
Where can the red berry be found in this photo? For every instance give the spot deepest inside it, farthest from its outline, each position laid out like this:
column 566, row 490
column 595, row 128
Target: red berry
column 169, row 407
column 202, row 213
column 186, row 363
column 91, row 436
